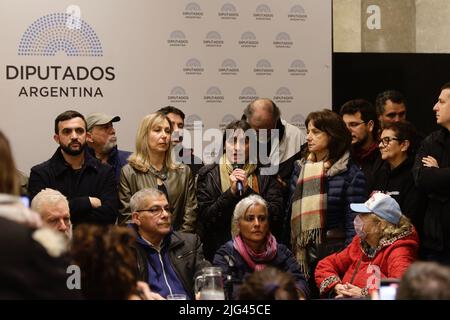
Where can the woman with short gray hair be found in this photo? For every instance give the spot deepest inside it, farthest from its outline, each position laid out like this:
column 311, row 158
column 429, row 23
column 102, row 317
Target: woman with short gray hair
column 253, row 247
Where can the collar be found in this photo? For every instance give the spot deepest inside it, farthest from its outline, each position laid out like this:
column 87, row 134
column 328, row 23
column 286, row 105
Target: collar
column 111, row 157
column 372, row 252
column 171, row 240
column 60, row 165
column 443, row 135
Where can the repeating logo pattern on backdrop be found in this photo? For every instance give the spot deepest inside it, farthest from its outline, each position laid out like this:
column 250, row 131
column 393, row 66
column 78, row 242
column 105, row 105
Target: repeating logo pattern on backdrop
column 283, row 95
column 178, row 95
column 192, row 11
column 298, row 120
column 193, row 67
column 297, row 68
column 228, row 12
column 213, row 39
column 263, row 12
column 213, row 95
column 297, row 13
column 248, row 94
column 263, row 68
column 283, row 40
column 248, row 40
column 177, row 38
column 228, row 67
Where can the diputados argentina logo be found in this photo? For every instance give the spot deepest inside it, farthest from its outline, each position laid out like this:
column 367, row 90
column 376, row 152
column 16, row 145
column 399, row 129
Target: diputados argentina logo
column 59, row 34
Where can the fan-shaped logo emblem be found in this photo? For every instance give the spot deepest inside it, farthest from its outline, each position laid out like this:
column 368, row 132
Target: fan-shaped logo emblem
column 213, row 95
column 248, row 40
column 248, row 94
column 193, row 11
column 213, row 39
column 193, row 120
column 297, row 13
column 226, row 120
column 263, row 12
column 228, row 12
column 263, row 68
column 177, row 38
column 193, row 67
column 283, row 95
column 283, row 40
column 298, row 120
column 178, row 95
column 229, row 67
column 297, row 68
column 60, row 32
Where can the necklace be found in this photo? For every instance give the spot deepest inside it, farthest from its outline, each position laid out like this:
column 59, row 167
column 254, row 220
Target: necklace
column 161, row 174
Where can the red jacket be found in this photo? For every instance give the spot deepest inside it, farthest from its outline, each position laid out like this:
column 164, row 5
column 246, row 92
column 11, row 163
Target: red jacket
column 391, row 258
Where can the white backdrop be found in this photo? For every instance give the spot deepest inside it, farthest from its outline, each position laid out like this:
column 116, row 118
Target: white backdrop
column 207, row 57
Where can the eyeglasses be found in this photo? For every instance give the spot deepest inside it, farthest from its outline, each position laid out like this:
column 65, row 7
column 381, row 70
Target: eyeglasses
column 157, row 210
column 386, row 140
column 353, row 125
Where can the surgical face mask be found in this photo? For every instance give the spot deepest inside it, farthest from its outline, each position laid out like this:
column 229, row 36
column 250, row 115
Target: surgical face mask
column 359, row 227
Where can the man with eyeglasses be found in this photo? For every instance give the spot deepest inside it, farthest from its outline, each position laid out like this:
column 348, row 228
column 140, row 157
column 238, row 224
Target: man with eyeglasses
column 102, row 141
column 168, row 260
column 89, row 185
column 432, row 176
column 361, row 120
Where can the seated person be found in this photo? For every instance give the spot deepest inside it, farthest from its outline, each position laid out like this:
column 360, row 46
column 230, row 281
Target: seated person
column 253, row 247
column 53, row 207
column 385, row 245
column 169, row 261
column 269, row 284
column 107, row 263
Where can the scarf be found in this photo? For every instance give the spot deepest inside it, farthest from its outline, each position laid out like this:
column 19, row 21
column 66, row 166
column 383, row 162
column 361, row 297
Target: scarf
column 226, row 168
column 256, row 261
column 309, row 204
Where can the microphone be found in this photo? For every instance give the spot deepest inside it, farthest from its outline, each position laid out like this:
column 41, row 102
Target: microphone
column 239, row 185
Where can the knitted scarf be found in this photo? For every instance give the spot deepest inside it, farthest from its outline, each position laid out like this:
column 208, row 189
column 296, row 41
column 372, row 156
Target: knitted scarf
column 256, row 261
column 226, row 168
column 309, row 204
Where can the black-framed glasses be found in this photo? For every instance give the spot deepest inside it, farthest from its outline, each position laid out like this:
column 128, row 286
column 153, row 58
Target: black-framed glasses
column 157, row 210
column 386, row 140
column 352, row 125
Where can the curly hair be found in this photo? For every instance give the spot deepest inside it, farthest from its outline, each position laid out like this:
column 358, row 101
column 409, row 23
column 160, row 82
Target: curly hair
column 269, row 284
column 106, row 260
column 388, row 230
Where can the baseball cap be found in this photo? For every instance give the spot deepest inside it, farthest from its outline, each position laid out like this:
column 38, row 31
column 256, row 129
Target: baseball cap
column 98, row 119
column 383, row 205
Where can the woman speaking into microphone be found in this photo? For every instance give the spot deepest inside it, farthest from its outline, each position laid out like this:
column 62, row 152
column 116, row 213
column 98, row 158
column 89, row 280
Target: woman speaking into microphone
column 222, row 185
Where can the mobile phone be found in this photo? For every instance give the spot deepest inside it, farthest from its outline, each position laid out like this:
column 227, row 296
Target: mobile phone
column 388, row 289
column 26, row 201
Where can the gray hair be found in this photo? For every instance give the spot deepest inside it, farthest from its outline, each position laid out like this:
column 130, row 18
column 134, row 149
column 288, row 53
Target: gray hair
column 276, row 113
column 45, row 197
column 241, row 209
column 139, row 199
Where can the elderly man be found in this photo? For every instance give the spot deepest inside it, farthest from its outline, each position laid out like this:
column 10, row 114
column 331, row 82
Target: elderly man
column 53, row 207
column 88, row 184
column 168, row 260
column 102, row 141
column 264, row 114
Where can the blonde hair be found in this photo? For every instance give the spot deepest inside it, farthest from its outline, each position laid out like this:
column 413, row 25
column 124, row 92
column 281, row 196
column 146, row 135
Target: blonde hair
column 389, row 230
column 140, row 159
column 9, row 176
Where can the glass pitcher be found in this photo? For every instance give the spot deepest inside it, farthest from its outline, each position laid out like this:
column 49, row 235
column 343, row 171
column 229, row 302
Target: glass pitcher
column 209, row 284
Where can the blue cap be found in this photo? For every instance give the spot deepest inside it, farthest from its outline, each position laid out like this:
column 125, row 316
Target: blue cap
column 382, row 205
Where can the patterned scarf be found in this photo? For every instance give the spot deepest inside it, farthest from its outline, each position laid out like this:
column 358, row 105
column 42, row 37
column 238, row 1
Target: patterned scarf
column 226, row 168
column 309, row 204
column 256, row 261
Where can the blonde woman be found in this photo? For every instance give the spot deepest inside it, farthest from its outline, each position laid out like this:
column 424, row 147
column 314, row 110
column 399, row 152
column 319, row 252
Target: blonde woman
column 151, row 166
column 385, row 245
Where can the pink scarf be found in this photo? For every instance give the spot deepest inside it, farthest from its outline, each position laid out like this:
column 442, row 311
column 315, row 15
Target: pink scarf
column 256, row 261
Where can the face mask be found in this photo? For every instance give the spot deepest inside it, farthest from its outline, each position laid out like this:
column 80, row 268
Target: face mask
column 359, row 227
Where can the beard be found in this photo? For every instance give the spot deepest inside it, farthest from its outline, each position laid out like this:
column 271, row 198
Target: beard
column 109, row 145
column 73, row 152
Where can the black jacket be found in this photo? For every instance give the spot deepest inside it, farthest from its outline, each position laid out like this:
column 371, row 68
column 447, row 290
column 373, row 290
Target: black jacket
column 435, row 183
column 185, row 254
column 27, row 271
column 399, row 184
column 95, row 180
column 216, row 207
column 232, row 264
